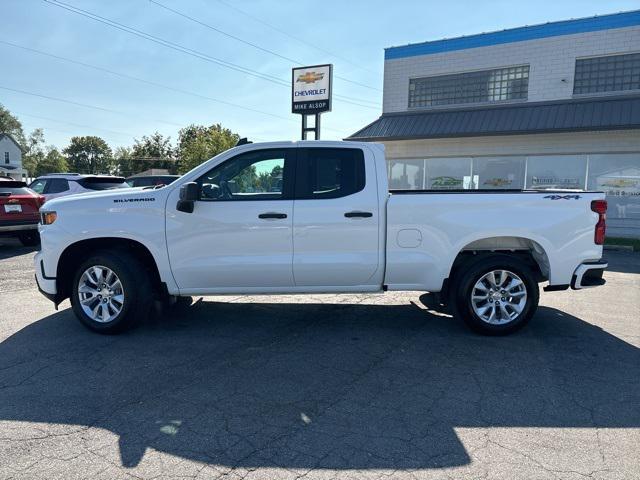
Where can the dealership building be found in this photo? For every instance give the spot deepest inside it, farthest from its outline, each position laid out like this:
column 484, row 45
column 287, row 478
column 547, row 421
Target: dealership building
column 544, row 106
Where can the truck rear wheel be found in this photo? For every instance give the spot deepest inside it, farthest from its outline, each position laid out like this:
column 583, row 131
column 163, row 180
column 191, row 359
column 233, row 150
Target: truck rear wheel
column 111, row 292
column 495, row 295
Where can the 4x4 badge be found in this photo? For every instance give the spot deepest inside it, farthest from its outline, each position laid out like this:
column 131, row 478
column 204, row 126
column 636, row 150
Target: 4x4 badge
column 562, row 197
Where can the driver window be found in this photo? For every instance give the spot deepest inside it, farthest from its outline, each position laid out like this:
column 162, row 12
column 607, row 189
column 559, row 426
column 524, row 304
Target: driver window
column 250, row 176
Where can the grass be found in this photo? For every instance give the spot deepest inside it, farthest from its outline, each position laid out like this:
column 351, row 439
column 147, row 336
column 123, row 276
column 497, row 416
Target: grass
column 634, row 242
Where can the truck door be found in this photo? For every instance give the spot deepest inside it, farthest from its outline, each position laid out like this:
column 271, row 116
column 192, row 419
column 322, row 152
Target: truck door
column 336, row 219
column 239, row 235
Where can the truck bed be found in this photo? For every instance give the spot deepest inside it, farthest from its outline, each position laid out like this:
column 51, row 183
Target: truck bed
column 427, row 229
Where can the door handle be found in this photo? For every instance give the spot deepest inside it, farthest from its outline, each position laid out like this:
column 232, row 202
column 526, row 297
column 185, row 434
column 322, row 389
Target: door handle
column 358, row 214
column 272, row 215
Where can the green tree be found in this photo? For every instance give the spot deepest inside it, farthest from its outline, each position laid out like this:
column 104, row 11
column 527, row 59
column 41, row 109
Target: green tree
column 153, row 151
column 34, row 151
column 197, row 143
column 270, row 181
column 53, row 162
column 10, row 124
column 124, row 162
column 89, row 155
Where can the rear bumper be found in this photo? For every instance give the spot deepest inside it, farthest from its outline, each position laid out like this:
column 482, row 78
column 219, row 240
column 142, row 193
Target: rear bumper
column 589, row 274
column 16, row 226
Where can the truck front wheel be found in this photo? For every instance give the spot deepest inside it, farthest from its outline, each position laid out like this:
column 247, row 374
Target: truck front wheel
column 111, row 292
column 496, row 295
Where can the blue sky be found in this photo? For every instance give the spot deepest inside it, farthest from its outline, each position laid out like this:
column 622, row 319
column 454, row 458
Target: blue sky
column 351, row 35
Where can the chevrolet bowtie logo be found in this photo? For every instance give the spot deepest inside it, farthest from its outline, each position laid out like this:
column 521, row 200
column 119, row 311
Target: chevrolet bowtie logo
column 310, row 77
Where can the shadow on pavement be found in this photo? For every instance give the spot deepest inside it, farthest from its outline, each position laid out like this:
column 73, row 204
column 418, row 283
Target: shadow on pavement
column 624, row 262
column 9, row 249
column 314, row 385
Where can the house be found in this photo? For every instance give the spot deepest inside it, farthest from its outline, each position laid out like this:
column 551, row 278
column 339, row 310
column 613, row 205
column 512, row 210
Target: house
column 11, row 158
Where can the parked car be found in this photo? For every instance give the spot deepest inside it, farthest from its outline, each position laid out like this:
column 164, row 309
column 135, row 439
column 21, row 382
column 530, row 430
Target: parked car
column 316, row 217
column 57, row 185
column 151, row 180
column 19, row 211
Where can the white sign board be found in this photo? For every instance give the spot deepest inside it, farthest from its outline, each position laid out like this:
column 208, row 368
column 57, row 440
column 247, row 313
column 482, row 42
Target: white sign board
column 311, row 89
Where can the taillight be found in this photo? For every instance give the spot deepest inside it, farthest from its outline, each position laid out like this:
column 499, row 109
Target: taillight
column 40, row 200
column 600, row 207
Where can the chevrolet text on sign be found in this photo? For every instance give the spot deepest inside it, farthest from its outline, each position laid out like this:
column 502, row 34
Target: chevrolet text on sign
column 311, row 89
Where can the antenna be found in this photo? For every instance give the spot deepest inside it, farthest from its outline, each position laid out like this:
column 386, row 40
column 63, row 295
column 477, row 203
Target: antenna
column 243, row 141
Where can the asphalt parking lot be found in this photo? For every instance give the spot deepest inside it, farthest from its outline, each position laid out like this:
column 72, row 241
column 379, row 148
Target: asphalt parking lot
column 345, row 386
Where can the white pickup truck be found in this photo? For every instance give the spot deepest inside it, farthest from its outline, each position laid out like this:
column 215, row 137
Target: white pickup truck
column 315, row 217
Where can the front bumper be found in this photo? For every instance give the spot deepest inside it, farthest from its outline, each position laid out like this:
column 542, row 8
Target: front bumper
column 46, row 284
column 589, row 274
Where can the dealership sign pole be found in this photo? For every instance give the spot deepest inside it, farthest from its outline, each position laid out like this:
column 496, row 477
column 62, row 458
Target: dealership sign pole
column 311, row 95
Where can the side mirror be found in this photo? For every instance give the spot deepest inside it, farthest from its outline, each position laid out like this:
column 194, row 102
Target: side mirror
column 188, row 196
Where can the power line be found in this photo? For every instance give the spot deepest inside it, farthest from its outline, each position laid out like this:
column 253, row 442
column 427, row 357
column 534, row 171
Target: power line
column 148, row 82
column 177, row 47
column 85, row 105
column 115, row 132
column 266, row 50
column 166, row 43
column 128, row 135
column 55, row 129
column 297, row 39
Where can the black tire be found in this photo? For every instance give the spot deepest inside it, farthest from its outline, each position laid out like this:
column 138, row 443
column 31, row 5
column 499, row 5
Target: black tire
column 29, row 239
column 465, row 280
column 136, row 285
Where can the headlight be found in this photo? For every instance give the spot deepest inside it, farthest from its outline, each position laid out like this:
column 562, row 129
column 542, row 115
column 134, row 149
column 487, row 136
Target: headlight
column 47, row 218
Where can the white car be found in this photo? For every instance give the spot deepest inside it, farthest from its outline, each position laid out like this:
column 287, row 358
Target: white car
column 316, row 217
column 57, row 185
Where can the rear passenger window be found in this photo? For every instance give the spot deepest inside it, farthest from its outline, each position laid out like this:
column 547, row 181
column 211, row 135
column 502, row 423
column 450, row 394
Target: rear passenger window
column 329, row 172
column 38, row 186
column 57, row 185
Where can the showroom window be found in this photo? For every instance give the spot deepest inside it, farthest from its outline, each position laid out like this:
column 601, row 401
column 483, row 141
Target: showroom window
column 406, row 174
column 618, row 175
column 448, row 174
column 486, row 86
column 611, row 73
column 499, row 173
column 556, row 171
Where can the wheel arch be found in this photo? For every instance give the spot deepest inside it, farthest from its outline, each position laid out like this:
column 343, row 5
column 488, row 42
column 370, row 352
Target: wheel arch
column 532, row 252
column 74, row 254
